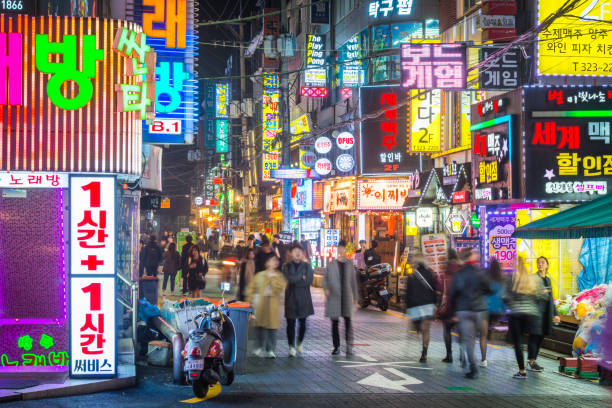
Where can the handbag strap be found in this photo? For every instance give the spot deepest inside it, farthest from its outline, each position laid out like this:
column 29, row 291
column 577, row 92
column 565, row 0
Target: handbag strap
column 423, row 280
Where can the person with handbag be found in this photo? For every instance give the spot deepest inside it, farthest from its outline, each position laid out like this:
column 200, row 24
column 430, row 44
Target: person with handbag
column 421, row 297
column 445, row 311
column 197, row 268
column 469, row 292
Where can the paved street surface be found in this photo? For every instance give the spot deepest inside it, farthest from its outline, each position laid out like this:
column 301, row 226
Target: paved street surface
column 383, row 372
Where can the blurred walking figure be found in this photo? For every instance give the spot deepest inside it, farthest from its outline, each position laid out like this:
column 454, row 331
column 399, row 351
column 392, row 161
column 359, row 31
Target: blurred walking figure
column 548, row 315
column 298, row 301
column 172, row 262
column 280, row 249
column 262, row 254
column 307, row 248
column 525, row 317
column 246, row 272
column 152, row 256
column 185, row 251
column 340, row 286
column 264, row 292
column 421, row 299
column 469, row 292
column 445, row 311
column 197, row 268
column 370, row 256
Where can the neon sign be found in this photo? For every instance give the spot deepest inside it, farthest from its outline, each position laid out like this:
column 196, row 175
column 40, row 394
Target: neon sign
column 222, row 136
column 431, row 66
column 425, row 121
column 387, row 8
column 221, row 96
column 271, row 125
column 315, row 73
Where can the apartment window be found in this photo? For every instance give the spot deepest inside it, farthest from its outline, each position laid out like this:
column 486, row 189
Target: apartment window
column 468, row 4
column 342, row 8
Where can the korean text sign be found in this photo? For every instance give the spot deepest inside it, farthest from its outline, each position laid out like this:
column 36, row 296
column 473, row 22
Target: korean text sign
column 383, row 194
column 577, row 43
column 500, row 243
column 425, row 121
column 70, row 99
column 169, row 26
column 434, row 66
column 92, row 276
column 384, row 138
column 502, row 72
column 568, row 146
column 270, row 125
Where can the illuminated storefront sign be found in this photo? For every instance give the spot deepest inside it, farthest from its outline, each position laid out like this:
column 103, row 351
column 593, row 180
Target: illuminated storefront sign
column 424, row 217
column 323, row 145
column 450, row 174
column 222, row 136
column 299, row 127
column 313, row 91
column 383, row 140
column 460, row 197
column 92, row 276
column 576, row 43
column 81, row 111
column 434, row 66
column 345, row 140
column 345, row 162
column 323, row 167
column 388, row 8
column 350, row 68
column 271, row 125
column 24, row 179
column 499, row 241
column 568, row 149
column 502, row 72
column 339, row 197
column 303, row 196
column 425, row 117
column 315, row 73
column 383, row 194
column 221, row 100
column 170, row 29
column 456, row 223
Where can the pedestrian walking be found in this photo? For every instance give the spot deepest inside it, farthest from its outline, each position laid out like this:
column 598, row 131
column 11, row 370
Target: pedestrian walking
column 152, row 256
column 421, row 299
column 185, row 250
column 359, row 258
column 280, row 249
column 306, row 247
column 197, row 268
column 262, row 254
column 445, row 310
column 246, row 272
column 264, row 292
column 172, row 262
column 213, row 245
column 548, row 315
column 141, row 258
column 469, row 291
column 524, row 317
column 201, row 244
column 340, row 286
column 370, row 255
column 298, row 301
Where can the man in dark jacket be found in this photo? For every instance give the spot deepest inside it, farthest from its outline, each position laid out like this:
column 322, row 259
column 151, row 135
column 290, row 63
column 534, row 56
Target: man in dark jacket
column 468, row 297
column 184, row 258
column 152, row 256
column 370, row 255
column 298, row 301
column 279, row 249
column 263, row 253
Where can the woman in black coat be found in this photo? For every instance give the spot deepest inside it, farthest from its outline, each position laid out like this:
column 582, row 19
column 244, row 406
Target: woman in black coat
column 548, row 314
column 298, row 301
column 197, row 268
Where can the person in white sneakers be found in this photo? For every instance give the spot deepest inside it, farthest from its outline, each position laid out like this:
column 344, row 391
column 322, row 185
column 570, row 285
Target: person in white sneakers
column 298, row 301
column 264, row 293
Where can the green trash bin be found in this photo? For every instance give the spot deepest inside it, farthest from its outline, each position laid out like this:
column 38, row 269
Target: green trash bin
column 240, row 318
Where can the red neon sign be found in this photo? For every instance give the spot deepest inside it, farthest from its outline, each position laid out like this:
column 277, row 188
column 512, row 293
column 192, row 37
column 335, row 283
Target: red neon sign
column 346, row 93
column 314, row 91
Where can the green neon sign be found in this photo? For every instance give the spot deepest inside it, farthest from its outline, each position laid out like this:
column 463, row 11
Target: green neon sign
column 25, row 342
column 222, row 145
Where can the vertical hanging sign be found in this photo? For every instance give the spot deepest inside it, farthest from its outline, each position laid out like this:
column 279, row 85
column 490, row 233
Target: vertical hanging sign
column 270, row 116
column 93, row 338
column 315, row 73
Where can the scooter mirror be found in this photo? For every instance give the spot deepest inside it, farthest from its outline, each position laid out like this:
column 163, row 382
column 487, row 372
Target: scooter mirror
column 225, row 286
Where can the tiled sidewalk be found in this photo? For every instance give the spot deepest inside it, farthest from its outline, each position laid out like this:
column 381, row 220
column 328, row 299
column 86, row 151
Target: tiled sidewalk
column 385, row 361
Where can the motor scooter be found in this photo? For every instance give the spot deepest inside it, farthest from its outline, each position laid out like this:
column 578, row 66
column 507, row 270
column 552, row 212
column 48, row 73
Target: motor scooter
column 373, row 286
column 210, row 352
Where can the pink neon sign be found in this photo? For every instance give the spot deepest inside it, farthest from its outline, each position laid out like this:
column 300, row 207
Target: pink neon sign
column 434, row 66
column 10, row 60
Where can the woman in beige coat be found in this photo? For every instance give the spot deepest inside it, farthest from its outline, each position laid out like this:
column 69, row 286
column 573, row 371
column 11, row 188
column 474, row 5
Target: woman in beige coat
column 264, row 292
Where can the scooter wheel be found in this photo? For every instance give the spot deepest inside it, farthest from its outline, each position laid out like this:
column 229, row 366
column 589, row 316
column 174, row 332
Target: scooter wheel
column 200, row 388
column 383, row 305
column 364, row 303
column 228, row 379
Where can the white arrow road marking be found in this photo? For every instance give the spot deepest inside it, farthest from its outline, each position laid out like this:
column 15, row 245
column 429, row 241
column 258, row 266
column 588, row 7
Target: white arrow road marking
column 380, row 381
column 400, row 364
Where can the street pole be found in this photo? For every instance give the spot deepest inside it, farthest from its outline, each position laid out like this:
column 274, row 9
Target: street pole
column 285, row 111
column 243, row 119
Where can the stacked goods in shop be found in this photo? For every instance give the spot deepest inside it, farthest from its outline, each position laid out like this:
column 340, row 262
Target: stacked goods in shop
column 587, row 368
column 568, row 365
column 589, row 307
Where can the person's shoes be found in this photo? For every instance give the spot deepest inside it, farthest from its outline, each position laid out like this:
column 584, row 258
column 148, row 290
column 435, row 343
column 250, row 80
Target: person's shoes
column 423, row 358
column 520, row 376
column 259, row 352
column 336, row 351
column 300, row 348
column 472, row 375
column 534, row 367
column 292, row 352
column 462, row 361
column 483, row 364
column 270, row 354
column 349, row 351
column 447, row 359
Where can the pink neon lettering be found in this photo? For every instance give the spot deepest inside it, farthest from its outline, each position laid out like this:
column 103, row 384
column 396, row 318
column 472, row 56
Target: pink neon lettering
column 10, row 61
